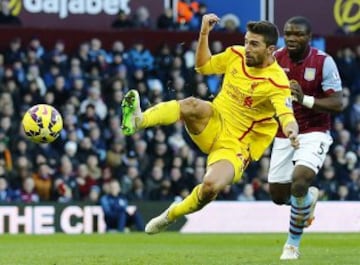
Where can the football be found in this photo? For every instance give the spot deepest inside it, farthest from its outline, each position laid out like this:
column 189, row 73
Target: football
column 42, row 123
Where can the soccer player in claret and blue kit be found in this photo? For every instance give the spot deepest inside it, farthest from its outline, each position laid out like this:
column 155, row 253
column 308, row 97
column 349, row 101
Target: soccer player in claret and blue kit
column 316, row 89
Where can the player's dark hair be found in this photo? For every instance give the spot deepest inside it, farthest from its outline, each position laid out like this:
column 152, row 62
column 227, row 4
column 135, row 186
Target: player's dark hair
column 267, row 29
column 299, row 20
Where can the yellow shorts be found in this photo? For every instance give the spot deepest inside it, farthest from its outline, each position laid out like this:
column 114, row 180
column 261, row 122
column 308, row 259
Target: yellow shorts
column 217, row 141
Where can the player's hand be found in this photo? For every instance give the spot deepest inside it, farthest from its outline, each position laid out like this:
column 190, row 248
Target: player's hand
column 296, row 91
column 291, row 131
column 293, row 139
column 208, row 23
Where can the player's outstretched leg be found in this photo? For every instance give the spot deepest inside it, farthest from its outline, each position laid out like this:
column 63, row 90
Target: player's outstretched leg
column 302, row 215
column 131, row 112
column 159, row 223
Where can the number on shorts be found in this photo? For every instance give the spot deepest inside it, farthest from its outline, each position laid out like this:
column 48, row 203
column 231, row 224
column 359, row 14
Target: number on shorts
column 321, row 148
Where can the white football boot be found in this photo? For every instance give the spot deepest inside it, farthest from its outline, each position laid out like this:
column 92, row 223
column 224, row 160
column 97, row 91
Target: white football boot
column 290, row 252
column 159, row 223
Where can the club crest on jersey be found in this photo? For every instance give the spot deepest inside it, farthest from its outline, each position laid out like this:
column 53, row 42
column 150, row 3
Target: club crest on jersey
column 309, row 74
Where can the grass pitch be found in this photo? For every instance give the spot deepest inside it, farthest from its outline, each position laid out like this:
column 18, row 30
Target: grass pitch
column 175, row 249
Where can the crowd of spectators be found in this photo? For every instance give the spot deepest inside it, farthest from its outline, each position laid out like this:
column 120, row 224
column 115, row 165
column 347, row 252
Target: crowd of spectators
column 187, row 18
column 161, row 163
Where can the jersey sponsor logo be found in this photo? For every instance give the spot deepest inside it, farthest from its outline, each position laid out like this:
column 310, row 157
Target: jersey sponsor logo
column 309, row 74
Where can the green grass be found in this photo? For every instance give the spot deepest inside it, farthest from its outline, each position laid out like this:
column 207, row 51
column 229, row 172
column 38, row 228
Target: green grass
column 175, row 249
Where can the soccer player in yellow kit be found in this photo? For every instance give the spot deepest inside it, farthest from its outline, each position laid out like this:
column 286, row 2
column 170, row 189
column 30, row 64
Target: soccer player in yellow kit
column 237, row 126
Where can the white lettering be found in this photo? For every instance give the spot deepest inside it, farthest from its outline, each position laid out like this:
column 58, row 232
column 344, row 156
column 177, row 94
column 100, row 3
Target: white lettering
column 26, row 220
column 7, row 211
column 51, row 6
column 93, row 7
column 91, row 212
column 111, row 7
column 44, row 220
column 64, row 8
column 65, row 219
column 63, row 12
column 77, row 7
column 33, row 6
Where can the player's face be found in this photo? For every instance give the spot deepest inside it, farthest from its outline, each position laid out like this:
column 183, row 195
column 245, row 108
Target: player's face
column 296, row 38
column 256, row 51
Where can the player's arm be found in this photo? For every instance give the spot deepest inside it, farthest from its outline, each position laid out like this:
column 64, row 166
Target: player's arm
column 203, row 53
column 331, row 85
column 282, row 102
column 290, row 128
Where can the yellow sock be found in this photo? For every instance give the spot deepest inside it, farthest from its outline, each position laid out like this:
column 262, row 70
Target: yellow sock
column 164, row 113
column 190, row 204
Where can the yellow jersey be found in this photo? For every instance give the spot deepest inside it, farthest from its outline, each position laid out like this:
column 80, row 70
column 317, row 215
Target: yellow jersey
column 250, row 98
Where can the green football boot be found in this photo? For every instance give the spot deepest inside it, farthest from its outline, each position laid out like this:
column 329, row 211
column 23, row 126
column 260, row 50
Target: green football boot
column 131, row 112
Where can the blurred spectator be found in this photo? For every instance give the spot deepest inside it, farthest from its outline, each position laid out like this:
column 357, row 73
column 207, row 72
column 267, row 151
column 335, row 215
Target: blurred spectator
column 247, row 194
column 70, row 150
column 142, row 18
column 66, row 187
column 230, row 23
column 94, row 98
column 139, row 57
column 57, row 55
column 37, row 47
column 28, row 193
column 6, row 16
column 85, row 182
column 186, row 10
column 166, row 20
column 118, row 214
column 14, row 52
column 43, row 181
column 122, row 21
column 6, row 193
column 94, row 195
column 94, row 169
column 199, row 10
column 115, row 153
column 328, row 184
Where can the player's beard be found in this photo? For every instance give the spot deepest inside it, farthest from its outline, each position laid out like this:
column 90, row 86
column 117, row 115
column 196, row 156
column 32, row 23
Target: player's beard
column 254, row 61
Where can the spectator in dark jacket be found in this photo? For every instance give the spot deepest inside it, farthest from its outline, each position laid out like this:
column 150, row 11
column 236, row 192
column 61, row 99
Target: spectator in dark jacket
column 118, row 214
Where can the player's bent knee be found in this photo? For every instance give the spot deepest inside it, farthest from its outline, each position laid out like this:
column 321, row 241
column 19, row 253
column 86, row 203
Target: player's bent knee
column 191, row 107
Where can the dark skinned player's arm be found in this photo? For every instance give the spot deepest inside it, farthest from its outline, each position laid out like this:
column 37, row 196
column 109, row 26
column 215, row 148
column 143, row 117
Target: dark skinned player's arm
column 331, row 103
